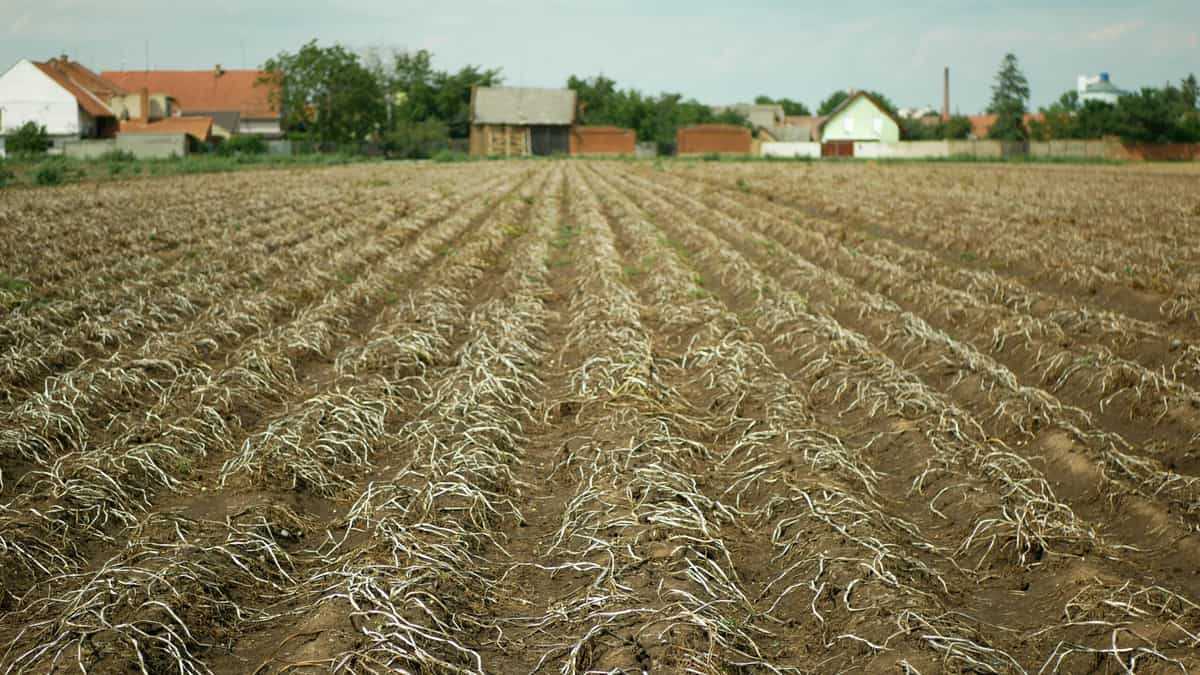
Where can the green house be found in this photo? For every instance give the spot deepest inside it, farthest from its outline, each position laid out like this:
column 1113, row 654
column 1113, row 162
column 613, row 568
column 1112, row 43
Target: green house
column 860, row 118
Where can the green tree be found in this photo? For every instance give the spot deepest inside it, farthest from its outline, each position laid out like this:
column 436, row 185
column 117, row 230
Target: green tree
column 1190, row 90
column 421, row 93
column 790, row 107
column 1010, row 98
column 29, row 140
column 653, row 118
column 1156, row 116
column 832, row 102
column 326, row 94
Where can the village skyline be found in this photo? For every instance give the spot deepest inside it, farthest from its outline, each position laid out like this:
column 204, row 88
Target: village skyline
column 715, row 54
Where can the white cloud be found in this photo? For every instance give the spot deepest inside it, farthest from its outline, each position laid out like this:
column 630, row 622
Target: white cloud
column 1115, row 31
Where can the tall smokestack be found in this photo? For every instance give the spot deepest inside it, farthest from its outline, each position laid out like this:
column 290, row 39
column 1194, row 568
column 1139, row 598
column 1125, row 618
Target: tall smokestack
column 946, row 95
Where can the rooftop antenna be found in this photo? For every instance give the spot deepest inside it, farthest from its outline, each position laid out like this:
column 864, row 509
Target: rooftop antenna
column 147, row 43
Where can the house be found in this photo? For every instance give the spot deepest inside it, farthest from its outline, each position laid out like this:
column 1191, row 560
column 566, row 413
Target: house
column 981, row 124
column 704, row 139
column 521, row 121
column 66, row 98
column 1098, row 88
column 861, row 118
column 801, row 128
column 239, row 101
column 760, row 116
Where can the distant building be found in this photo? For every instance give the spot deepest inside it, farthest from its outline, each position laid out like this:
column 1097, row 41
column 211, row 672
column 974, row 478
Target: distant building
column 760, row 116
column 238, row 100
column 1098, row 88
column 521, row 121
column 69, row 100
column 800, row 128
column 917, row 113
column 861, row 118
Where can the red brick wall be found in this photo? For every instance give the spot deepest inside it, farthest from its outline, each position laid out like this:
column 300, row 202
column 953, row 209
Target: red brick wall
column 603, row 141
column 1156, row 152
column 706, row 138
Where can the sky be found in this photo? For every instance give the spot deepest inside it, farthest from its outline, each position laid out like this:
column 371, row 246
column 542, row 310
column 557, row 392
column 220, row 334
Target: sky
column 717, row 52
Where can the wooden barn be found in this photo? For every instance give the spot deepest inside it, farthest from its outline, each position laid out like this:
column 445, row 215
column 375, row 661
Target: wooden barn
column 521, row 121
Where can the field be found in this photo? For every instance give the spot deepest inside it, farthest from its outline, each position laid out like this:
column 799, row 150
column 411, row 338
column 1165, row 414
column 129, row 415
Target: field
column 569, row 417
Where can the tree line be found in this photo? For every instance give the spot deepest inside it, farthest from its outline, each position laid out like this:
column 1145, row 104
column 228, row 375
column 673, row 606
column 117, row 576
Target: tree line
column 1166, row 114
column 332, row 96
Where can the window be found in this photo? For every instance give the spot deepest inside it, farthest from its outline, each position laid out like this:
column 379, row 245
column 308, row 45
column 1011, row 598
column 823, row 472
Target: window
column 848, row 125
column 878, row 126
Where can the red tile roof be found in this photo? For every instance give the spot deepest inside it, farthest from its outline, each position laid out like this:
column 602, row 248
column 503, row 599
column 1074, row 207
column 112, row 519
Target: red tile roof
column 199, row 128
column 91, row 90
column 980, row 124
column 205, row 90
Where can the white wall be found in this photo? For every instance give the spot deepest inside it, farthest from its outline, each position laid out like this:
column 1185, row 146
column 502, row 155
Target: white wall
column 902, row 150
column 29, row 95
column 812, row 150
column 259, row 127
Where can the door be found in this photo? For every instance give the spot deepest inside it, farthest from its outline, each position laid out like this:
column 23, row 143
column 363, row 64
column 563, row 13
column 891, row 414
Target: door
column 546, row 141
column 837, row 149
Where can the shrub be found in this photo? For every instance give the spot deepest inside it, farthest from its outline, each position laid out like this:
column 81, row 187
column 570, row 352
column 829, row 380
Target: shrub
column 417, row 140
column 118, row 156
column 53, row 172
column 5, row 175
column 242, row 144
column 29, row 140
column 451, row 156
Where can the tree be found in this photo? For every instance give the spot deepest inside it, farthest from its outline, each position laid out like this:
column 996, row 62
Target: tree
column 421, row 93
column 1156, row 116
column 1191, row 91
column 830, row 104
column 653, row 118
column 326, row 94
column 29, row 140
column 790, row 107
column 1010, row 97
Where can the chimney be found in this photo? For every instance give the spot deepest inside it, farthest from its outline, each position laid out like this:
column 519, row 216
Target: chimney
column 946, row 95
column 218, row 71
column 144, row 109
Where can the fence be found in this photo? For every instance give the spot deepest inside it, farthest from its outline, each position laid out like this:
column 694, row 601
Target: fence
column 713, row 138
column 792, row 150
column 1109, row 148
column 602, row 141
column 90, row 149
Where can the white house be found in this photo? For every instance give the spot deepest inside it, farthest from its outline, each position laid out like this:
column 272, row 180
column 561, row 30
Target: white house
column 1098, row 88
column 63, row 96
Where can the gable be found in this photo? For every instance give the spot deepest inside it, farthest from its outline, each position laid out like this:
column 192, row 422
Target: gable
column 26, row 83
column 29, row 95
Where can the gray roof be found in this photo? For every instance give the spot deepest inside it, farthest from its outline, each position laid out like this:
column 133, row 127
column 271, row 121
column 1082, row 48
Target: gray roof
column 759, row 115
column 226, row 119
column 523, row 105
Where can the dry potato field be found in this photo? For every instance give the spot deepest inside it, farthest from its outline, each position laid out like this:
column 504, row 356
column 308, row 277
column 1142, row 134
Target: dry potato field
column 587, row 417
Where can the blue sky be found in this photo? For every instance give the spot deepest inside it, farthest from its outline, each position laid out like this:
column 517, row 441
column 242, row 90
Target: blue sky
column 718, row 52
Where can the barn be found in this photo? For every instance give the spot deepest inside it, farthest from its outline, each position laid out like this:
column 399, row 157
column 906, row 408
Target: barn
column 521, row 121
